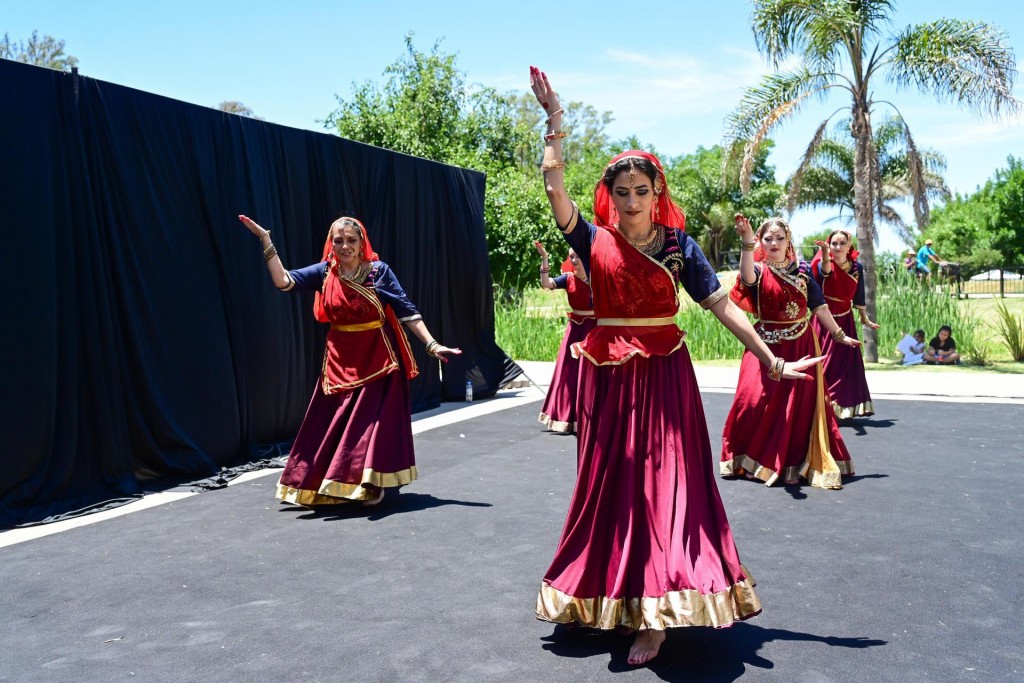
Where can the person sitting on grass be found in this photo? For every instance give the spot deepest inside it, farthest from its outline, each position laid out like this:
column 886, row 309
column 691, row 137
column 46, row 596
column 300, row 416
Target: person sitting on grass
column 942, row 349
column 912, row 348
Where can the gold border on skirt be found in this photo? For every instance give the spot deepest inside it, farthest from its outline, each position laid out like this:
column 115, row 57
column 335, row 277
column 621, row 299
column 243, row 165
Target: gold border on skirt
column 687, row 607
column 556, row 425
column 859, row 410
column 336, row 492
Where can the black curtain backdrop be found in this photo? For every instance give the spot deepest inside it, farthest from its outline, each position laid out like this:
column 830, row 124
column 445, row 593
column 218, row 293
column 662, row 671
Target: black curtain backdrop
column 143, row 333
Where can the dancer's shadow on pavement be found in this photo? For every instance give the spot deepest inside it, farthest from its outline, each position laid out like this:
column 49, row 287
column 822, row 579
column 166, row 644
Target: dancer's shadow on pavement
column 392, row 504
column 860, row 425
column 698, row 654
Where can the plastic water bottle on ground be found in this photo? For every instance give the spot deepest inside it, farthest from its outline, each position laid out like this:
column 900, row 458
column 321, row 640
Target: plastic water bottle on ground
column 469, row 391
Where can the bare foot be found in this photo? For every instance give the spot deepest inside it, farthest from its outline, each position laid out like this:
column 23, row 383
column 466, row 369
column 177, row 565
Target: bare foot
column 646, row 646
column 376, row 499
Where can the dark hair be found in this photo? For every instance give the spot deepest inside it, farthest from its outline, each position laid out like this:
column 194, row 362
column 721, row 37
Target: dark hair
column 947, row 328
column 642, row 164
column 919, row 332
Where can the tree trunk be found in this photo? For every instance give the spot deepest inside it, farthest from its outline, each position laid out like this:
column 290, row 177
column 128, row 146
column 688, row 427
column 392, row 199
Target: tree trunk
column 860, row 126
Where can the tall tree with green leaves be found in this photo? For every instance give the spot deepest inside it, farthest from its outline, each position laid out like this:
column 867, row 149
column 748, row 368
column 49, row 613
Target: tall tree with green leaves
column 45, row 51
column 845, row 46
column 711, row 198
column 826, row 178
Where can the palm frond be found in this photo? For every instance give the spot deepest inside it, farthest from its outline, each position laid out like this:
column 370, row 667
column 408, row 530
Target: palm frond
column 919, row 191
column 967, row 62
column 765, row 106
column 796, row 179
column 890, row 216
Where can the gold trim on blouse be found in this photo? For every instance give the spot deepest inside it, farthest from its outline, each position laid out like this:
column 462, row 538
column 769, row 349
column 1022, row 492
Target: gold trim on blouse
column 714, row 298
column 359, row 327
column 635, row 322
column 573, row 220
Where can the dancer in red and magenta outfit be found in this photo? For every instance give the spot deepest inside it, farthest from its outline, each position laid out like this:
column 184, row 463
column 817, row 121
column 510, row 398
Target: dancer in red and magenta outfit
column 782, row 431
column 646, row 544
column 356, row 438
column 559, row 411
column 841, row 276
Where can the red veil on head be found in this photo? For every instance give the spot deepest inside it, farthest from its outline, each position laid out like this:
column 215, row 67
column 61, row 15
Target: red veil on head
column 367, row 254
column 664, row 211
column 852, row 254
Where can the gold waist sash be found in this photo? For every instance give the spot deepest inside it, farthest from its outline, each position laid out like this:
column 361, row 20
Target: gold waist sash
column 582, row 313
column 636, row 322
column 359, row 327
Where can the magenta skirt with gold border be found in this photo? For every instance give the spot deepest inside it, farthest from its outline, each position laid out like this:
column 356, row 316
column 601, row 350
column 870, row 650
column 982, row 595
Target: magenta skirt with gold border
column 646, row 542
column 351, row 440
column 558, row 413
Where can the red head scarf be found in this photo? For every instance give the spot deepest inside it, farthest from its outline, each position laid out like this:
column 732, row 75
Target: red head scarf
column 664, row 211
column 367, row 254
column 759, row 254
column 852, row 254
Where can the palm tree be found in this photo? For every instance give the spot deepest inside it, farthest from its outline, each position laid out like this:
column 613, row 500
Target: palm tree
column 842, row 45
column 825, row 178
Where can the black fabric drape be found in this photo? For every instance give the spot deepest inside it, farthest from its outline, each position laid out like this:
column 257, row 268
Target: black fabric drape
column 143, row 331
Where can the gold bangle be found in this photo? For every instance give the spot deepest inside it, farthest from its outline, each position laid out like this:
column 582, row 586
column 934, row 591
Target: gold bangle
column 748, row 246
column 555, row 135
column 262, row 235
column 839, row 335
column 553, row 165
column 553, row 115
column 270, row 252
column 776, row 369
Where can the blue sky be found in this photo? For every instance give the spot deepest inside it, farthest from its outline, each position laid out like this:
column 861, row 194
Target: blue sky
column 670, row 72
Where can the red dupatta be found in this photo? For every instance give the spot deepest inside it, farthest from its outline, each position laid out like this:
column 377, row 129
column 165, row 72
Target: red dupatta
column 664, row 211
column 839, row 287
column 358, row 350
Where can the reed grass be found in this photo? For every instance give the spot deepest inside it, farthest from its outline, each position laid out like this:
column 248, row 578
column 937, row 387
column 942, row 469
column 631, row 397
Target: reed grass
column 530, row 326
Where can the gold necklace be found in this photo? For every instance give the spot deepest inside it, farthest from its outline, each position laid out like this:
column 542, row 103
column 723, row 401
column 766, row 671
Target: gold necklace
column 358, row 275
column 652, row 244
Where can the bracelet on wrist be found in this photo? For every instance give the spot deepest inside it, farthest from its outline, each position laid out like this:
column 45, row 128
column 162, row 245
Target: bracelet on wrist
column 555, row 135
column 748, row 246
column 555, row 113
column 777, row 367
column 553, row 165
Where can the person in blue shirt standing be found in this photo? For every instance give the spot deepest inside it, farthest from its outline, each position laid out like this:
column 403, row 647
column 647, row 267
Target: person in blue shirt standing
column 924, row 255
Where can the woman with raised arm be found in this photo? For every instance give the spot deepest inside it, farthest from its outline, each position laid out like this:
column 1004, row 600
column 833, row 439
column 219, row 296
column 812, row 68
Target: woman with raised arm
column 646, row 545
column 782, row 431
column 356, row 438
column 841, row 277
column 559, row 411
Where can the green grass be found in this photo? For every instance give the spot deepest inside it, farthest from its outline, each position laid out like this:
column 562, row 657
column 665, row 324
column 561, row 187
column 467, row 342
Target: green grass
column 532, row 327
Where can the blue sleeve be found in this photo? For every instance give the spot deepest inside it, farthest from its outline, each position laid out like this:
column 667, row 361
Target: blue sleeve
column 698, row 277
column 819, row 276
column 390, row 292
column 561, row 282
column 858, row 296
column 580, row 235
column 310, row 278
column 815, row 297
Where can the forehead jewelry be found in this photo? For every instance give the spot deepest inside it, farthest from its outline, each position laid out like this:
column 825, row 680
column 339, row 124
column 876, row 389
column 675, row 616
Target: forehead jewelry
column 632, row 173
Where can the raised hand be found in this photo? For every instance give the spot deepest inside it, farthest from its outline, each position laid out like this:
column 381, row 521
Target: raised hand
column 541, row 250
column 545, row 94
column 253, row 226
column 824, row 249
column 743, row 228
column 795, row 369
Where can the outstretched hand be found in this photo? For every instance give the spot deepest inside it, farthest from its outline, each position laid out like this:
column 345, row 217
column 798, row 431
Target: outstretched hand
column 850, row 341
column 867, row 322
column 823, row 248
column 545, row 94
column 540, row 249
column 442, row 352
column 795, row 369
column 253, row 226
